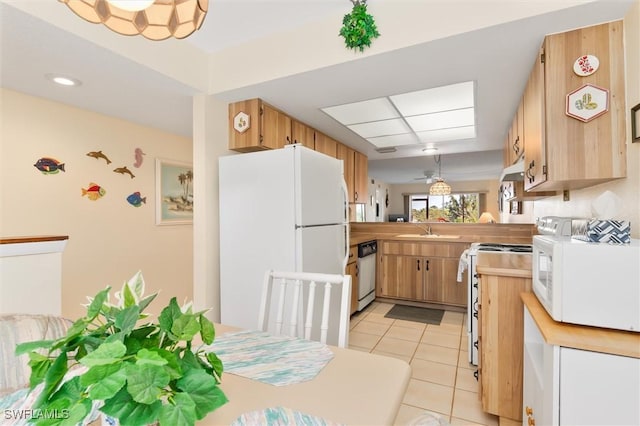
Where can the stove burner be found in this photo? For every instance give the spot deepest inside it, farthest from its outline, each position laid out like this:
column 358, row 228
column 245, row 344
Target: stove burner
column 513, row 248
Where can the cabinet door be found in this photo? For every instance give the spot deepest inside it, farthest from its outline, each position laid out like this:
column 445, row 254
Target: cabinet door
column 302, row 134
column 433, row 279
column 453, row 292
column 361, row 188
column 249, row 138
column 347, row 155
column 276, row 128
column 535, row 163
column 326, row 145
column 402, row 277
column 352, row 269
column 517, row 135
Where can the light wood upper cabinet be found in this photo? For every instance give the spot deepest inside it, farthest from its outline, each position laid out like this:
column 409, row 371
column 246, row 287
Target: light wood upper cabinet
column 255, row 125
column 326, row 145
column 302, row 134
column 361, row 178
column 569, row 153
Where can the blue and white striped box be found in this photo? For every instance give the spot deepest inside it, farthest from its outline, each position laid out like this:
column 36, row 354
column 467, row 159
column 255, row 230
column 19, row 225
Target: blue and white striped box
column 609, row 231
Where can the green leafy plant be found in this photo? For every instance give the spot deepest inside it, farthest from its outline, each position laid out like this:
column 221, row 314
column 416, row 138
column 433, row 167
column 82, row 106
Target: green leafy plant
column 139, row 375
column 358, row 27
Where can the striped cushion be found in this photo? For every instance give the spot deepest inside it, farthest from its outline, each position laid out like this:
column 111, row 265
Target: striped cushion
column 20, row 328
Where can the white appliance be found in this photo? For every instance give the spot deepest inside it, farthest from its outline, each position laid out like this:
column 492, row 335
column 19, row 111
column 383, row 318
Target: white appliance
column 366, row 273
column 587, row 283
column 473, row 290
column 283, row 209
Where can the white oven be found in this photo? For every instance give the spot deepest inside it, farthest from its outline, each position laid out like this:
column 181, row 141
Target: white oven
column 595, row 284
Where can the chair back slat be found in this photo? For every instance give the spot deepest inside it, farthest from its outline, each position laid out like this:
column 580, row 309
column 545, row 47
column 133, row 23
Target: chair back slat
column 308, row 325
column 298, row 301
column 280, row 317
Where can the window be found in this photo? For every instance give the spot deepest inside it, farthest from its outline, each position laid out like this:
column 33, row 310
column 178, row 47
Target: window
column 460, row 208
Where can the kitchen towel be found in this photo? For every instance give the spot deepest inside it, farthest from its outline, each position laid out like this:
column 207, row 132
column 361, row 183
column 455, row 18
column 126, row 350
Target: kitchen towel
column 463, row 264
column 276, row 360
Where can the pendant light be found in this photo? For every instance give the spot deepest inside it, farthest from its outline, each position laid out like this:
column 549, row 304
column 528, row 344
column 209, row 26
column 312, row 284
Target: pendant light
column 440, row 187
column 153, row 19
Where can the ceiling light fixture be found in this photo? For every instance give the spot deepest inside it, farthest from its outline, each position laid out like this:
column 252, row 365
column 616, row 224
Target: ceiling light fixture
column 429, row 150
column 63, row 80
column 440, row 187
column 153, row 19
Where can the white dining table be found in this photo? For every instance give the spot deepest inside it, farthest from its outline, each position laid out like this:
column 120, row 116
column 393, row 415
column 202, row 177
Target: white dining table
column 354, row 388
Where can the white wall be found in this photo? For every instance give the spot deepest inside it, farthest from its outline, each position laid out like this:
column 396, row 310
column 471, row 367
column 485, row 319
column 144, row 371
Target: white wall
column 109, row 240
column 628, row 189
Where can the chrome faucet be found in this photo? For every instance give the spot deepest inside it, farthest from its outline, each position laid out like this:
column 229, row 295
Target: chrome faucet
column 426, row 228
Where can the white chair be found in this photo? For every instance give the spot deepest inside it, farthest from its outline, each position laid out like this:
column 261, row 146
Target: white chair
column 306, row 306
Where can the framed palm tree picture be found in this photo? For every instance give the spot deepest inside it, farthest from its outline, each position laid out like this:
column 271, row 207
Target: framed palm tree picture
column 174, row 192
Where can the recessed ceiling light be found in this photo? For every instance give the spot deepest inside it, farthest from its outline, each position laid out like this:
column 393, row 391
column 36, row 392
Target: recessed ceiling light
column 63, row 80
column 429, row 150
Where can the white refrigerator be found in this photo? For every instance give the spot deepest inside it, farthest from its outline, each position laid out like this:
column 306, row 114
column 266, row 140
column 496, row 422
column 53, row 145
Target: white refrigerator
column 283, row 209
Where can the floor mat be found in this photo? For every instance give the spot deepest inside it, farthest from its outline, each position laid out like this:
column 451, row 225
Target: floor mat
column 414, row 313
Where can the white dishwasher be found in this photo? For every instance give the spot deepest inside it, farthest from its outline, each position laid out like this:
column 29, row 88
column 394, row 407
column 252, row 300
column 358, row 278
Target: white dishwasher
column 366, row 273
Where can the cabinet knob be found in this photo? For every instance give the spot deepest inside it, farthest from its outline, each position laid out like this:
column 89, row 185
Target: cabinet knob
column 531, row 421
column 418, row 264
column 528, row 411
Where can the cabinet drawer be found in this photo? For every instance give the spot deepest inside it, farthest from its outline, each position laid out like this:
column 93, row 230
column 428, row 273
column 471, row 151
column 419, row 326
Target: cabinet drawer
column 423, row 249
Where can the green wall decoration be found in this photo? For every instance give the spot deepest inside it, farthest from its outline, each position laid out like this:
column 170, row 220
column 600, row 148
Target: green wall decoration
column 358, row 27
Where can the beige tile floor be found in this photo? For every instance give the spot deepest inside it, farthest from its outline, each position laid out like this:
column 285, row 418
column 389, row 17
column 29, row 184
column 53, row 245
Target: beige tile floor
column 442, row 379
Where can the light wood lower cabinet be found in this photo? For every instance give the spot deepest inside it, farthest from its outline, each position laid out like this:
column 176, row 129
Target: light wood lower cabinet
column 500, row 344
column 352, row 269
column 429, row 275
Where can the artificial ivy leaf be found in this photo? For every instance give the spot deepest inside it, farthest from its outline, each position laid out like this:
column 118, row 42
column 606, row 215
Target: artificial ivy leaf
column 71, row 390
column 181, row 412
column 146, row 356
column 52, row 378
column 108, row 386
column 129, row 412
column 145, row 302
column 204, row 391
column 106, row 353
column 99, row 372
column 126, row 319
column 216, row 363
column 189, row 362
column 207, row 331
column 39, row 365
column 172, row 366
column 185, row 327
column 25, row 347
column 145, row 382
column 96, row 304
column 63, row 412
column 168, row 315
column 129, row 298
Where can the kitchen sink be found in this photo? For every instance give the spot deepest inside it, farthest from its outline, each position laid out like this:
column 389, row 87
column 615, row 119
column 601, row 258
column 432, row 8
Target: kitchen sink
column 429, row 236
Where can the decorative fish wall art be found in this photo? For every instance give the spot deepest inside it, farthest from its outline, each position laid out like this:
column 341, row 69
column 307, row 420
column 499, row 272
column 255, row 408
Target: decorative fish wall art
column 138, row 155
column 94, row 191
column 49, row 166
column 136, row 199
column 123, row 170
column 97, row 155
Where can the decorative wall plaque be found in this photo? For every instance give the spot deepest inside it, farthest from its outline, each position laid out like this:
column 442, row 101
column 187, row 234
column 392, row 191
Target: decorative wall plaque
column 241, row 122
column 586, row 65
column 587, row 102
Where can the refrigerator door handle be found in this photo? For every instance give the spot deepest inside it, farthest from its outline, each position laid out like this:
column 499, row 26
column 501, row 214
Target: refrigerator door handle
column 345, row 192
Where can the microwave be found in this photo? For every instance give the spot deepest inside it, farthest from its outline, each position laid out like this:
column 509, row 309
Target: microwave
column 587, row 283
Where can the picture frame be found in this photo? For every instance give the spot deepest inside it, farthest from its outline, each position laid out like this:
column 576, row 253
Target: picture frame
column 174, row 192
column 635, row 123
